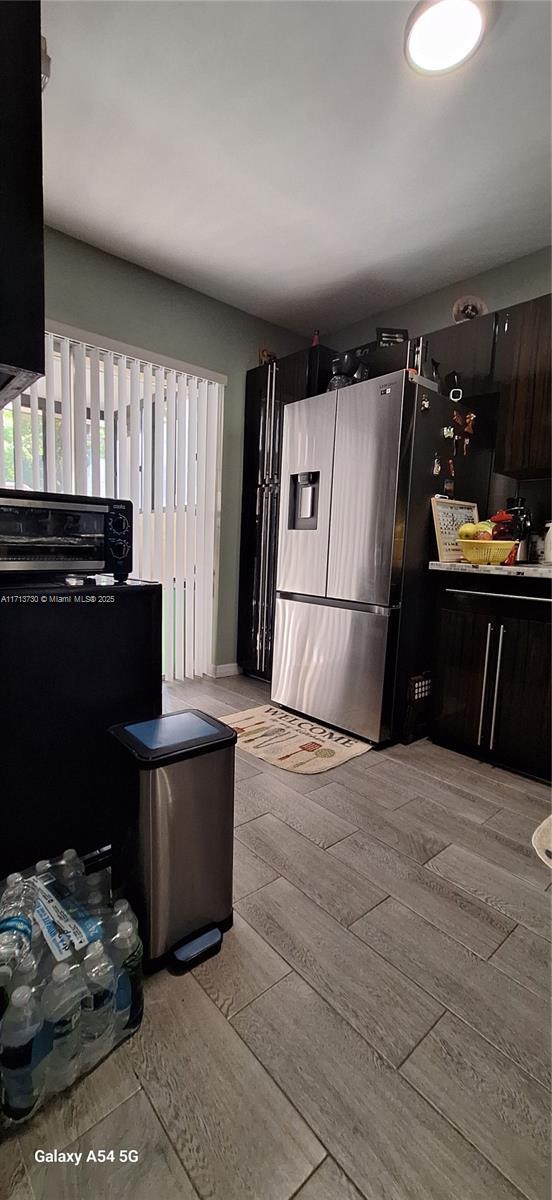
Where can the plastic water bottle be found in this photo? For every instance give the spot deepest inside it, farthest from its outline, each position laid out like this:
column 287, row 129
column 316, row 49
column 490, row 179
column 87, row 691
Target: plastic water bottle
column 118, row 949
column 99, row 881
column 38, row 944
column 71, row 870
column 5, row 989
column 98, row 1015
column 16, row 919
column 26, row 973
column 129, row 953
column 123, row 912
column 97, row 905
column 22, row 1076
column 61, row 1008
column 43, row 867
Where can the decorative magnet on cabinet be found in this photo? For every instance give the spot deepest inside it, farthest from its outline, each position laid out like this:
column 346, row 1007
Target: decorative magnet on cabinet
column 466, row 445
column 456, row 394
column 451, row 467
column 436, row 464
column 425, row 403
column 448, row 488
column 458, row 418
column 457, row 440
column 448, row 431
column 470, row 418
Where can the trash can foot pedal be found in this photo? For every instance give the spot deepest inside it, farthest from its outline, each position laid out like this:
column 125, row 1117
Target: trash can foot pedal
column 196, row 950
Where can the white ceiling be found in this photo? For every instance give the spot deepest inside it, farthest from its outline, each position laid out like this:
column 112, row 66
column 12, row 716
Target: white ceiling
column 284, row 158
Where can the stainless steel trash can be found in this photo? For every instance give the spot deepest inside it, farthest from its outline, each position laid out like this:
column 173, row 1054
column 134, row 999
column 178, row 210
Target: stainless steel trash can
column 183, row 856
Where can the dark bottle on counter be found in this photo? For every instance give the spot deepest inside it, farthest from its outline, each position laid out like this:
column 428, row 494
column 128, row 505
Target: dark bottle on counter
column 521, row 525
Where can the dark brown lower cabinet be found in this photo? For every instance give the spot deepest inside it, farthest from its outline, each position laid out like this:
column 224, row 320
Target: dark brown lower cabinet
column 491, row 679
column 520, row 713
column 459, row 674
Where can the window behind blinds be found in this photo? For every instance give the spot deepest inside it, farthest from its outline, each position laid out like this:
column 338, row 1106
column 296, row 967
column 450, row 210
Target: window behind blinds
column 107, row 424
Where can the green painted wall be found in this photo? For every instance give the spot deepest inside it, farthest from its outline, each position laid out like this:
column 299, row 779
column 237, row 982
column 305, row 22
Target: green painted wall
column 513, row 282
column 109, row 296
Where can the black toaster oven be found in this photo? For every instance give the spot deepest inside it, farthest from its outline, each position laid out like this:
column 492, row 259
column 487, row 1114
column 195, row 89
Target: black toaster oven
column 54, row 534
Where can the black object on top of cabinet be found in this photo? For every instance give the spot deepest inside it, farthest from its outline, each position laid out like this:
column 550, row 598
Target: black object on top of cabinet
column 74, row 661
column 459, row 356
column 382, row 359
column 522, row 375
column 21, row 216
column 491, row 677
column 268, row 389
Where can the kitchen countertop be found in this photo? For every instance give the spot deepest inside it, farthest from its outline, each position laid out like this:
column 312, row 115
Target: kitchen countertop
column 521, row 570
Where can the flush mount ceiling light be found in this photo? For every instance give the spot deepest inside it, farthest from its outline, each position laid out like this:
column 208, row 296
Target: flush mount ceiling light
column 442, row 34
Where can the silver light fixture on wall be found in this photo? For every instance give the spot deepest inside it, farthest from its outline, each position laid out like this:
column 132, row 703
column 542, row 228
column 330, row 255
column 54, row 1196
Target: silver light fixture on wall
column 443, row 34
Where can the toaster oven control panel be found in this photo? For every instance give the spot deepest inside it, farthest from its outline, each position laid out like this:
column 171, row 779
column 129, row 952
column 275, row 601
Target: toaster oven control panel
column 118, row 539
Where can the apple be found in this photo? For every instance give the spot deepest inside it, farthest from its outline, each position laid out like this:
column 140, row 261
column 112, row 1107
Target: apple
column 467, row 531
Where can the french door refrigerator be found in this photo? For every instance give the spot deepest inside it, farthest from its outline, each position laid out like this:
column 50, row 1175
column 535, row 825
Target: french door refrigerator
column 353, row 623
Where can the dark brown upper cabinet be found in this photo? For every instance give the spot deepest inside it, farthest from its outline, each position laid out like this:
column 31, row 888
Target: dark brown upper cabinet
column 523, row 378
column 460, row 356
column 21, row 219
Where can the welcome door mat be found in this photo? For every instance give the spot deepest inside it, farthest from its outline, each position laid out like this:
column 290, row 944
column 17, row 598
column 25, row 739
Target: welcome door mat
column 292, row 743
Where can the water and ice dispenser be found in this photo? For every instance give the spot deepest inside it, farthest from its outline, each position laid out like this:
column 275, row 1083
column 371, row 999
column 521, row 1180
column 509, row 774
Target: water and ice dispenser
column 303, row 500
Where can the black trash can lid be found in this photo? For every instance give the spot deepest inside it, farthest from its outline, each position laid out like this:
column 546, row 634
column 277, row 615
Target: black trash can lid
column 174, row 737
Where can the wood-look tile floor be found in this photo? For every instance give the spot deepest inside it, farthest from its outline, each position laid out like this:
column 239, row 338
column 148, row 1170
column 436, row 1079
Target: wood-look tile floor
column 376, row 1026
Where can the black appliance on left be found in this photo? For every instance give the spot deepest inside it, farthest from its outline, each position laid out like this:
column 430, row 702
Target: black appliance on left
column 53, row 534
column 21, row 215
column 268, row 389
column 78, row 654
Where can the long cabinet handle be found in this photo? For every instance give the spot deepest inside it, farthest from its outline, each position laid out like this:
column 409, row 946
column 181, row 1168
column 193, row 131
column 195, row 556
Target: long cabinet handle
column 499, row 595
column 497, row 682
column 484, row 684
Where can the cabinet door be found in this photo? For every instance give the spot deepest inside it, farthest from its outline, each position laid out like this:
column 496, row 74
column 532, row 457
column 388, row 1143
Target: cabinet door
column 21, row 215
column 523, row 376
column 461, row 352
column 463, row 653
column 519, row 693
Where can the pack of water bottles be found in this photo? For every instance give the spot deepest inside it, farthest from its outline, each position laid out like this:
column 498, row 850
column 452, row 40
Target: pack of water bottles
column 71, row 985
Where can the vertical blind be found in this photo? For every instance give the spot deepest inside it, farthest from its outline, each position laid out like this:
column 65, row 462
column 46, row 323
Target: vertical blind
column 106, row 424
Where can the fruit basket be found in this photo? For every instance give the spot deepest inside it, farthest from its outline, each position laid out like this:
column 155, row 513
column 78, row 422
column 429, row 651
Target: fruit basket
column 481, row 553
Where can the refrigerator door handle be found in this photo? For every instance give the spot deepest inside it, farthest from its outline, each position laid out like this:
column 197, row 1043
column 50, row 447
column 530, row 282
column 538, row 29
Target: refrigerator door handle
column 484, row 684
column 267, row 423
column 273, row 412
column 266, row 566
column 497, row 684
column 262, row 576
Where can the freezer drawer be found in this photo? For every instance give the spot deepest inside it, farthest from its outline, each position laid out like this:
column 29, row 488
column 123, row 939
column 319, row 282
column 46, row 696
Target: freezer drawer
column 364, row 537
column 308, row 446
column 329, row 663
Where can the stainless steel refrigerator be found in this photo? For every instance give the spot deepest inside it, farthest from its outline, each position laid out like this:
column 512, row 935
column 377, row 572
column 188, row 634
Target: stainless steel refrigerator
column 359, row 467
